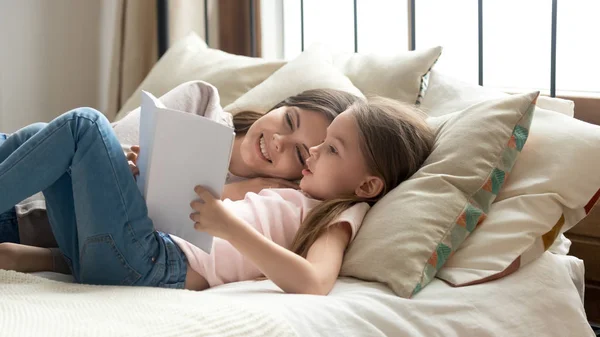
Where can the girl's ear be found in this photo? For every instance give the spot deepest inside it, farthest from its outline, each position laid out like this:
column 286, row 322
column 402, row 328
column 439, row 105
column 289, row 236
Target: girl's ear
column 370, row 187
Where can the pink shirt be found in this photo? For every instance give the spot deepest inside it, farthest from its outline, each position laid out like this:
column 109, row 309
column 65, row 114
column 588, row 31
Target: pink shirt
column 276, row 214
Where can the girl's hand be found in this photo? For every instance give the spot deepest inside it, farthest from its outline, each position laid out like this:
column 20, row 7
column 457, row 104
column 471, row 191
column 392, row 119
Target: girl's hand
column 237, row 190
column 132, row 159
column 212, row 217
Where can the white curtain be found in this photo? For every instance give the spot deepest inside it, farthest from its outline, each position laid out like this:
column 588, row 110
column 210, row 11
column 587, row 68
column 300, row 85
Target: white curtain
column 62, row 54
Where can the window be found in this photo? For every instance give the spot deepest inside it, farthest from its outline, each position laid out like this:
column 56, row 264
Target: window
column 516, row 50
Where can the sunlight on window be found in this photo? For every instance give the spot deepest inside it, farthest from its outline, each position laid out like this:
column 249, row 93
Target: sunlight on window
column 291, row 29
column 578, row 26
column 516, row 43
column 330, row 22
column 452, row 25
column 382, row 26
column 516, row 37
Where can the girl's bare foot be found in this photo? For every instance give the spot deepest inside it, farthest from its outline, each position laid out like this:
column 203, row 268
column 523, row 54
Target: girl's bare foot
column 24, row 258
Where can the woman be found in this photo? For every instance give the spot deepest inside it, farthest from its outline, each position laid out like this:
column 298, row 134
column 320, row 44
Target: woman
column 269, row 150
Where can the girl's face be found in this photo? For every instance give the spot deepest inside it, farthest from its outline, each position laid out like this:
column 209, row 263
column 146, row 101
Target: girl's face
column 277, row 145
column 337, row 167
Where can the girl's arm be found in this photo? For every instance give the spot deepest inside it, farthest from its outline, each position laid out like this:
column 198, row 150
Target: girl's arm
column 292, row 273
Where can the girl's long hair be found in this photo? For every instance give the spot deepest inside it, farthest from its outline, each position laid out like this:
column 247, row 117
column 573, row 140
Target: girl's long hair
column 329, row 102
column 395, row 140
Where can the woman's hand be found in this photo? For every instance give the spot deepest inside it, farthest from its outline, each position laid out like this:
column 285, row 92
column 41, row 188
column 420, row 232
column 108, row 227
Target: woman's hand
column 132, row 159
column 237, row 190
column 212, row 217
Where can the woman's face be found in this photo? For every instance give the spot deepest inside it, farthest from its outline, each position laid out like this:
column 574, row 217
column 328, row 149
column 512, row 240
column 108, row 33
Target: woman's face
column 277, row 144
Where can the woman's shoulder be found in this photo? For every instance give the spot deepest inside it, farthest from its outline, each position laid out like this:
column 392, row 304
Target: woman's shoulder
column 198, row 97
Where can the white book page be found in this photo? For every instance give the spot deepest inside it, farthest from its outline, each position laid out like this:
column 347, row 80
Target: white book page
column 187, row 150
column 147, row 126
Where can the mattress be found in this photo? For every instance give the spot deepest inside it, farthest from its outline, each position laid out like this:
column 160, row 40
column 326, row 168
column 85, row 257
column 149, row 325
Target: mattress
column 544, row 298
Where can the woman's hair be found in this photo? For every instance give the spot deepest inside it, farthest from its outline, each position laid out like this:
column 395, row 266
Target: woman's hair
column 329, row 102
column 395, row 140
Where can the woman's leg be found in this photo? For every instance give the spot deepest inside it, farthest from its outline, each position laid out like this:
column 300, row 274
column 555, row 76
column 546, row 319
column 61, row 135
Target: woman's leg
column 9, row 229
column 114, row 241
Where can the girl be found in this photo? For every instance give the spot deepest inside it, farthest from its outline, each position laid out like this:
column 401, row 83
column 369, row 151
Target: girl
column 249, row 171
column 368, row 150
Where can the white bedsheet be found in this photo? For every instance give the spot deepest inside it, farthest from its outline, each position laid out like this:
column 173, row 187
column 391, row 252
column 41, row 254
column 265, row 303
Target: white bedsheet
column 543, row 298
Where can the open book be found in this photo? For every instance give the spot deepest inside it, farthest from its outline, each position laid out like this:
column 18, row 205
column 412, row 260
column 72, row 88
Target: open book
column 178, row 151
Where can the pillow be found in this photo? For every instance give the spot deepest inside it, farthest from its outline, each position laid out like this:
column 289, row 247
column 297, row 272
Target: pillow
column 563, row 106
column 313, row 69
column 447, row 94
column 190, row 59
column 551, row 188
column 409, row 234
column 403, row 76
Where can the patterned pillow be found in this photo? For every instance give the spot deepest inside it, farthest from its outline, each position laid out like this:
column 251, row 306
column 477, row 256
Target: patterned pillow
column 552, row 187
column 409, row 235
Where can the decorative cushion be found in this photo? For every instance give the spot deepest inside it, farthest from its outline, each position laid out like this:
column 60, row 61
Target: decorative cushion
column 408, row 236
column 447, row 94
column 551, row 188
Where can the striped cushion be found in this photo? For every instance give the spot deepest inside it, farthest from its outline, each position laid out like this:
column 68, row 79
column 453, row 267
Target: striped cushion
column 410, row 234
column 551, row 188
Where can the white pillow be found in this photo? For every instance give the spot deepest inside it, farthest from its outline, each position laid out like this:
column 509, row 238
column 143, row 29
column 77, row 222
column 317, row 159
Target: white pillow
column 190, row 59
column 447, row 94
column 550, row 189
column 564, row 106
column 313, row 69
column 402, row 76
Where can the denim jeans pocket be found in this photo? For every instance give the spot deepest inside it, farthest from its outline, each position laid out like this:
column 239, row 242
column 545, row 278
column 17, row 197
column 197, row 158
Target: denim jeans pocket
column 101, row 262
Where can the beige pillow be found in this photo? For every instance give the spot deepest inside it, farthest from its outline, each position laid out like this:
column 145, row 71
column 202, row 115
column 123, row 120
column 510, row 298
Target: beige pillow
column 409, row 234
column 550, row 189
column 190, row 59
column 446, row 94
column 313, row 69
column 401, row 76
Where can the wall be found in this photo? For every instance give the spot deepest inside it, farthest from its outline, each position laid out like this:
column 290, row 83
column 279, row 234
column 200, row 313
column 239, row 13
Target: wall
column 55, row 56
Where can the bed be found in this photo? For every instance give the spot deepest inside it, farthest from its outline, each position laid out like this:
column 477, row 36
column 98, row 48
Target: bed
column 542, row 299
column 542, row 296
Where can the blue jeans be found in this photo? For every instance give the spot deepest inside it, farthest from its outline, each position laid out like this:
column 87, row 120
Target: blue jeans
column 98, row 216
column 9, row 227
